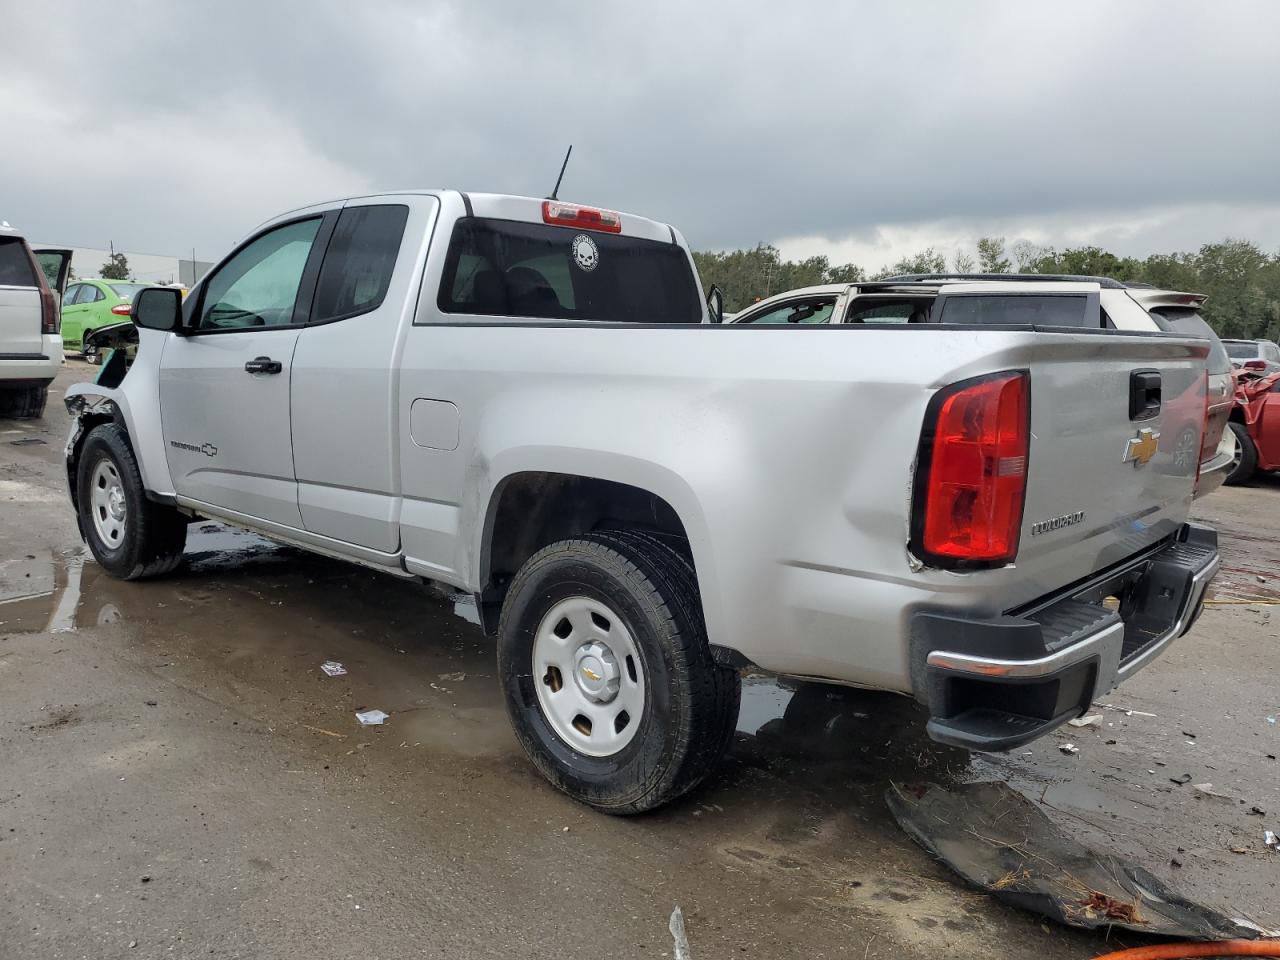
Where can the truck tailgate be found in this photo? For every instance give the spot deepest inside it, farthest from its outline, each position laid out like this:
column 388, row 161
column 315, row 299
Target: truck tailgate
column 1116, row 426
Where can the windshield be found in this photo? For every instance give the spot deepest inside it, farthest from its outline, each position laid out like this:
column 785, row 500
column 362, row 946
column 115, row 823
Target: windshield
column 507, row 268
column 126, row 290
column 1241, row 351
column 1189, row 323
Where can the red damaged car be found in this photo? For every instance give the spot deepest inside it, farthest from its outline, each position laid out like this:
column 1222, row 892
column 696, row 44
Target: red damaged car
column 1255, row 421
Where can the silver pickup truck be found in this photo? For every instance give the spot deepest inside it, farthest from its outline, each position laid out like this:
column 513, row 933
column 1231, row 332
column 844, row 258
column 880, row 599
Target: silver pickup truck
column 528, row 400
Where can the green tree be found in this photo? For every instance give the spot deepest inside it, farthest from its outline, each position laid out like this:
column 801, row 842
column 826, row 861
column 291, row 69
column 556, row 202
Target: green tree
column 846, row 273
column 927, row 260
column 991, row 258
column 1026, row 254
column 116, row 268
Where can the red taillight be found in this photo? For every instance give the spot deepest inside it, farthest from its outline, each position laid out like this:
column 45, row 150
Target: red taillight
column 121, row 309
column 585, row 218
column 972, row 475
column 1254, row 365
column 50, row 318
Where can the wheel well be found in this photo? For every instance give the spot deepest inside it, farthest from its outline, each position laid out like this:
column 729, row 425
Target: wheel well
column 531, row 510
column 1237, row 415
column 88, row 421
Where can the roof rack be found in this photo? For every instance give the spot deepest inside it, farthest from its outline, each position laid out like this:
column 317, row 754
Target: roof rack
column 1024, row 277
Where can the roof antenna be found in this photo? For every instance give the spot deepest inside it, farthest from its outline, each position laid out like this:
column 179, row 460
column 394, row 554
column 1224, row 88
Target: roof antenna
column 561, row 177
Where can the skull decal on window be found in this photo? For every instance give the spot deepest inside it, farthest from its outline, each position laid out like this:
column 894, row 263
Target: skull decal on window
column 585, row 254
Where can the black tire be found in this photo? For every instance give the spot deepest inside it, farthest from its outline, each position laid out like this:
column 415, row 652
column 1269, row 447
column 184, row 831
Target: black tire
column 154, row 535
column 1246, row 464
column 691, row 704
column 24, row 403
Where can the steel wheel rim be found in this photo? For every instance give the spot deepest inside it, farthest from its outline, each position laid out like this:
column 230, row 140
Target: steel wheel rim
column 589, row 677
column 108, row 504
column 1237, row 456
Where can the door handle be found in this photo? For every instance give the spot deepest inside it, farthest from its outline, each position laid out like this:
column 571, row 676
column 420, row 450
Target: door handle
column 1144, row 394
column 263, row 365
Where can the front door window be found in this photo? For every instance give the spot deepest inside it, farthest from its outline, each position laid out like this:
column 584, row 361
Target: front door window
column 258, row 287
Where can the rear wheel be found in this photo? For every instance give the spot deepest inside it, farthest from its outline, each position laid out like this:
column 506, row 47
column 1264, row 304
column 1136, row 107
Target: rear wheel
column 25, row 402
column 607, row 674
column 1245, row 463
column 130, row 536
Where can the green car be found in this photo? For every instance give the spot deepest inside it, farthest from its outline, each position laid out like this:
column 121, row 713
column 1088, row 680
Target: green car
column 89, row 304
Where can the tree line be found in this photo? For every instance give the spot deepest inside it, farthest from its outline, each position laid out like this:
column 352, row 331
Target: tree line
column 1241, row 280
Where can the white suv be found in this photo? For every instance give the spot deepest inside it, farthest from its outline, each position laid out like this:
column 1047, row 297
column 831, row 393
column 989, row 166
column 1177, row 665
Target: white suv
column 31, row 285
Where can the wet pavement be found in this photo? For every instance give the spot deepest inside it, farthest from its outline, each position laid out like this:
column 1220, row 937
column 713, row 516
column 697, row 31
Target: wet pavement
column 177, row 773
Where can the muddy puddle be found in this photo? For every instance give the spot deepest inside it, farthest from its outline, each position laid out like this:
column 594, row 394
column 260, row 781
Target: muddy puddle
column 247, row 622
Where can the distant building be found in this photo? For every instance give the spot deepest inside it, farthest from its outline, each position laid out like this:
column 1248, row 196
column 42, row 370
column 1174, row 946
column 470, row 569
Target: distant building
column 148, row 267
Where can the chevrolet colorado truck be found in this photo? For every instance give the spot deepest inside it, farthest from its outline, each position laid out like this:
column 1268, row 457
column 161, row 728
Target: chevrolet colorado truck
column 529, row 401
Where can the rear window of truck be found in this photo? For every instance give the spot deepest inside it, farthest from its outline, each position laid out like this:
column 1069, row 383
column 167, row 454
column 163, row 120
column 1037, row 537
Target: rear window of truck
column 507, row 268
column 15, row 264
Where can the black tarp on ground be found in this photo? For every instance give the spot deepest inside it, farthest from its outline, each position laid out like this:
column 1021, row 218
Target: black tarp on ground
column 1002, row 843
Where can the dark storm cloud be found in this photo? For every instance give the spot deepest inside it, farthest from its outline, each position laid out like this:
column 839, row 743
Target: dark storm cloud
column 164, row 126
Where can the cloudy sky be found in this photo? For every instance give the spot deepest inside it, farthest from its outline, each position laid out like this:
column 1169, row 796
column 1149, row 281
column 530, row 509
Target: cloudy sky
column 863, row 130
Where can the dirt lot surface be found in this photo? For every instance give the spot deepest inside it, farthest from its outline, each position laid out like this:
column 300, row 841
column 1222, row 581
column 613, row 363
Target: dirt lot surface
column 179, row 779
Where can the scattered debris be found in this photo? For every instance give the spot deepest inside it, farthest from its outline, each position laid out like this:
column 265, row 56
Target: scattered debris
column 1206, row 790
column 327, row 733
column 1093, row 720
column 1126, row 711
column 333, row 668
column 999, row 841
column 1269, row 839
column 1181, row 779
column 1257, row 812
column 680, row 949
column 453, row 677
column 1069, row 748
column 370, row 718
column 150, row 703
column 25, row 442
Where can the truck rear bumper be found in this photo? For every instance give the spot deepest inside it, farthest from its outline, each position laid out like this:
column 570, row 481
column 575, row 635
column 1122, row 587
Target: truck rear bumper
column 997, row 684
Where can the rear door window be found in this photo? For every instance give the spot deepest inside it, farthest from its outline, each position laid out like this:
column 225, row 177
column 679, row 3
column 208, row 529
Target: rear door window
column 15, row 264
column 507, row 268
column 875, row 310
column 1041, row 310
column 126, row 290
column 359, row 261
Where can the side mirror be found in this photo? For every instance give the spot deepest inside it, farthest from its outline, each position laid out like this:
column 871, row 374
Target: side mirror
column 157, row 308
column 715, row 304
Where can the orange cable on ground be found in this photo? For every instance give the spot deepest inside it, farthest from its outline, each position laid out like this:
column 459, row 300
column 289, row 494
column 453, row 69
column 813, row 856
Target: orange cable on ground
column 1180, row 951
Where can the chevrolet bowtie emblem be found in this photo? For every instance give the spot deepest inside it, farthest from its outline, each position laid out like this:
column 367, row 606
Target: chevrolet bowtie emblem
column 1142, row 448
column 590, row 674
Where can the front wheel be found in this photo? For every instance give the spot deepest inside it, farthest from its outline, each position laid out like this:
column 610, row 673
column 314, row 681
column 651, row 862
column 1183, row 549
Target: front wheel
column 607, row 674
column 1245, row 463
column 130, row 536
